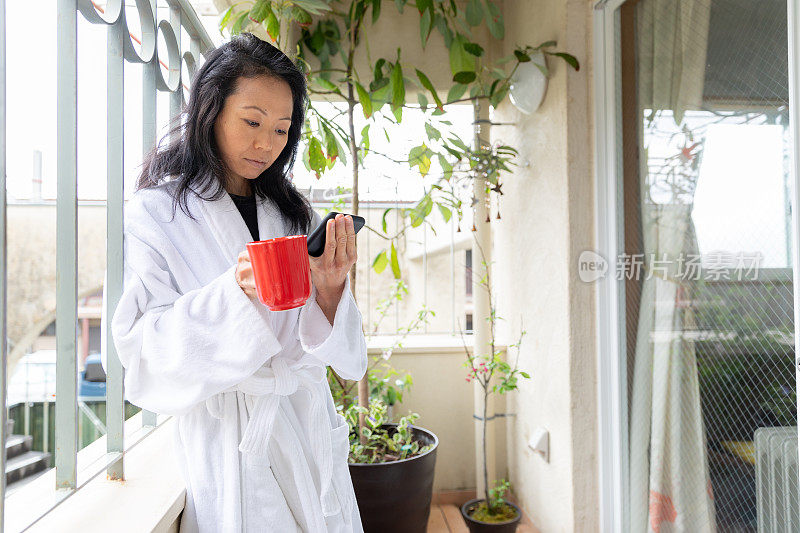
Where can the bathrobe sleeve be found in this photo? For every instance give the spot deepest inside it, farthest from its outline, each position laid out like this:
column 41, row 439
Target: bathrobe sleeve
column 181, row 349
column 340, row 345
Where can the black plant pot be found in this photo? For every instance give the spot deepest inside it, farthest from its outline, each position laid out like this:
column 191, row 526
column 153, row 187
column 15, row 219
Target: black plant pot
column 476, row 526
column 396, row 497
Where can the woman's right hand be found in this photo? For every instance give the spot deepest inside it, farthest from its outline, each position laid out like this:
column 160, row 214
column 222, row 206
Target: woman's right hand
column 244, row 275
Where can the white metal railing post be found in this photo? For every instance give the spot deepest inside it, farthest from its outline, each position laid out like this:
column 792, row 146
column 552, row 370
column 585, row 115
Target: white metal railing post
column 3, row 271
column 115, row 90
column 425, row 272
column 453, row 277
column 175, row 97
column 149, row 134
column 66, row 448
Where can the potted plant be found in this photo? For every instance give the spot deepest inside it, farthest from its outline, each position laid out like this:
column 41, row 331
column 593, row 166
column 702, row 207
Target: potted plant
column 491, row 512
column 391, row 464
column 393, row 472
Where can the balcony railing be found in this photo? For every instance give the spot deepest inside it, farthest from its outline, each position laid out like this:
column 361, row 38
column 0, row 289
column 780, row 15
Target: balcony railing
column 162, row 68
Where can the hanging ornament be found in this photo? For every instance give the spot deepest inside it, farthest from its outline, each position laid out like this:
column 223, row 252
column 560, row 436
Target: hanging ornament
column 498, row 189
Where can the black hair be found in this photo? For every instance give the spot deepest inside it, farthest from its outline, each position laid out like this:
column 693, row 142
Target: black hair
column 192, row 158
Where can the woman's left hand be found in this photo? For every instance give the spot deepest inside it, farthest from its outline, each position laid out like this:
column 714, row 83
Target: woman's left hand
column 329, row 271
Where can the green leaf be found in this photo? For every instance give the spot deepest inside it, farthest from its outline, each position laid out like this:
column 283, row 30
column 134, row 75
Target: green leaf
column 376, row 10
column 301, row 16
column 425, row 206
column 432, row 132
column 365, row 137
column 380, row 262
column 460, row 59
column 455, row 153
column 459, row 143
column 391, row 396
column 225, row 18
column 446, row 213
column 456, row 92
column 260, row 10
column 446, row 166
column 419, row 156
column 464, row 77
column 546, row 44
column 423, row 79
column 474, row 12
column 524, row 374
column 570, row 59
column 395, row 263
column 383, row 219
column 273, row 26
column 315, row 7
column 331, row 145
column 306, row 161
column 474, row 49
column 494, row 19
column 441, row 24
column 399, row 4
column 398, row 86
column 237, row 25
column 363, row 97
column 379, row 84
column 425, row 26
column 377, row 71
column 325, row 84
column 423, row 100
column 315, row 156
column 499, row 96
column 521, row 56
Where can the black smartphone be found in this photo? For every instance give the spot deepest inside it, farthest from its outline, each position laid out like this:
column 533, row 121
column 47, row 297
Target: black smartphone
column 316, row 241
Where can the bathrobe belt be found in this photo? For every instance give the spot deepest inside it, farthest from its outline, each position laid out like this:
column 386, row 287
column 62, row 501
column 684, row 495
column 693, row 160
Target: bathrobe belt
column 266, row 387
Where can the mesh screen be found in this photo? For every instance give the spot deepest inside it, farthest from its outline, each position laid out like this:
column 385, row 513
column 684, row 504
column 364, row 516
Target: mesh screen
column 703, row 131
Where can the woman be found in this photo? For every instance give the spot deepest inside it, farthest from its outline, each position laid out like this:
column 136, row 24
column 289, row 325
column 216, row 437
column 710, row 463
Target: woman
column 259, row 441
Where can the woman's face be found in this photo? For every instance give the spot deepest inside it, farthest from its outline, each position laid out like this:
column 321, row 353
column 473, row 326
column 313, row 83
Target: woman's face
column 251, row 130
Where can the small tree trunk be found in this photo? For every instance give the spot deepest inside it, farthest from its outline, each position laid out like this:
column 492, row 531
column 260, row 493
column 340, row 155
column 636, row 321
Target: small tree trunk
column 363, row 384
column 485, row 469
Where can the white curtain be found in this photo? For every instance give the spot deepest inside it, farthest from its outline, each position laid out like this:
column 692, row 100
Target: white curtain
column 671, row 44
column 669, row 483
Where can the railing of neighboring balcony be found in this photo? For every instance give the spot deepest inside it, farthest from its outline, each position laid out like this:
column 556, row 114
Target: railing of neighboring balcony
column 156, row 44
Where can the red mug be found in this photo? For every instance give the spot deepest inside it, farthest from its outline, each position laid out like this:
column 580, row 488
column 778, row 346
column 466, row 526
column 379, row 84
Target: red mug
column 281, row 270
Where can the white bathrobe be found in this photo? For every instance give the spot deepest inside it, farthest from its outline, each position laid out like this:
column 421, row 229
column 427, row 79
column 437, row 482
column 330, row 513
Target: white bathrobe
column 259, row 441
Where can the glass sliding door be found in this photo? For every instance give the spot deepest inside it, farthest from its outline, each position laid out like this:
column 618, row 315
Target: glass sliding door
column 703, row 171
